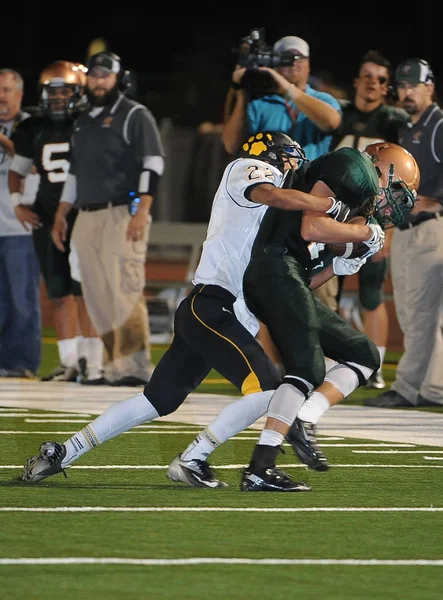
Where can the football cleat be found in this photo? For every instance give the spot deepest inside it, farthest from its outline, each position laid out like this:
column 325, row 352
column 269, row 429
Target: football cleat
column 48, row 462
column 376, row 381
column 62, row 373
column 271, row 480
column 196, row 473
column 302, row 437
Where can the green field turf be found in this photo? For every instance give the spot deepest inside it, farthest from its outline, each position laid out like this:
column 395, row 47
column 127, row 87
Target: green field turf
column 372, row 527
column 118, row 528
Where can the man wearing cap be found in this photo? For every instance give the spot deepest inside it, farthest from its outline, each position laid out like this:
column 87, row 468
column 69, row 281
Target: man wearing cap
column 117, row 161
column 417, row 248
column 295, row 108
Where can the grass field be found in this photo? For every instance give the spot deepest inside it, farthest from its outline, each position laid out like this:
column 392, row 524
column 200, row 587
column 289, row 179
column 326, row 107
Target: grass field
column 117, row 528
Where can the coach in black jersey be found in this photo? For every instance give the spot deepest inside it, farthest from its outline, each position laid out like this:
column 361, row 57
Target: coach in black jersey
column 117, row 161
column 417, row 248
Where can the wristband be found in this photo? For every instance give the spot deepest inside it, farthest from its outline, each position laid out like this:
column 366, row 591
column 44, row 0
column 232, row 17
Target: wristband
column 235, row 85
column 16, row 199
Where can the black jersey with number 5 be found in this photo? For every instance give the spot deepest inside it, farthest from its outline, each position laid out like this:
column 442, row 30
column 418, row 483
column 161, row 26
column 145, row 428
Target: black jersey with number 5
column 47, row 144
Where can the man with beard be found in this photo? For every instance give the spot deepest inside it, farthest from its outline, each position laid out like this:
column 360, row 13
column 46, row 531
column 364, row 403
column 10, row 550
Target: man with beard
column 417, row 248
column 116, row 164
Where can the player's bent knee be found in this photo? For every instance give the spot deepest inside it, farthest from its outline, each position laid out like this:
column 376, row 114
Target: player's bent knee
column 348, row 376
column 371, row 298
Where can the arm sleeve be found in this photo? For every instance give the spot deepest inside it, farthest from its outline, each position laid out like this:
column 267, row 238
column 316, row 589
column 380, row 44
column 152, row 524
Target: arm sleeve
column 21, row 164
column 69, row 192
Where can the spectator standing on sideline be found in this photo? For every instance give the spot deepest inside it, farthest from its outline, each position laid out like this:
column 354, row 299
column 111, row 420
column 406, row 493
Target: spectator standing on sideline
column 43, row 140
column 292, row 106
column 116, row 163
column 20, row 320
column 417, row 248
column 368, row 119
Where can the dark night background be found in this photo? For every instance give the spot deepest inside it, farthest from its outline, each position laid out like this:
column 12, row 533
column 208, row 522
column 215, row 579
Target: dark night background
column 184, row 63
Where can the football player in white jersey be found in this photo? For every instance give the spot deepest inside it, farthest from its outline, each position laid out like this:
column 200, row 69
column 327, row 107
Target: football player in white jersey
column 207, row 332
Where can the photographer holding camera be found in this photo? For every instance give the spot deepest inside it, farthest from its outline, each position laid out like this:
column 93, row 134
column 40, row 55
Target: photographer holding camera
column 272, row 93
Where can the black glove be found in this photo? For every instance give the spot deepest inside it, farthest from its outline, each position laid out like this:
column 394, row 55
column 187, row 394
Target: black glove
column 339, row 211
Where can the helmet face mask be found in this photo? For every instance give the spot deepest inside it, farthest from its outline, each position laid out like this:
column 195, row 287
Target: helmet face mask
column 399, row 178
column 61, row 87
column 273, row 147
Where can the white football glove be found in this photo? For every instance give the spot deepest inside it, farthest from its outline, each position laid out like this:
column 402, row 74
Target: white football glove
column 376, row 242
column 347, row 266
column 339, row 211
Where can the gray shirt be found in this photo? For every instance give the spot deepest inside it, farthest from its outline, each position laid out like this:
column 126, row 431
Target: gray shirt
column 109, row 149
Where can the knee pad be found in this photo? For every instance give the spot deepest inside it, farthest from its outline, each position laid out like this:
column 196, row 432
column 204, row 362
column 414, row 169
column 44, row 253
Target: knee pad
column 348, row 376
column 286, row 402
column 371, row 282
column 300, row 384
column 370, row 297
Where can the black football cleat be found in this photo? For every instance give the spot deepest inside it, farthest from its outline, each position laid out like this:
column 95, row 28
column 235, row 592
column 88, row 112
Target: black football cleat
column 301, row 436
column 271, row 480
column 194, row 472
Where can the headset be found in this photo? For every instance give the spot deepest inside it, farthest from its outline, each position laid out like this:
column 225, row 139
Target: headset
column 125, row 79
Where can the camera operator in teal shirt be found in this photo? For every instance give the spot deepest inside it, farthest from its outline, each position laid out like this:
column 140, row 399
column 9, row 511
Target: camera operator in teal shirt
column 280, row 99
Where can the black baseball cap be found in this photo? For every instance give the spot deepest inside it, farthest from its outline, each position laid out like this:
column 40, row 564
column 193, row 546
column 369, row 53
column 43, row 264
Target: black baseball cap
column 414, row 70
column 106, row 61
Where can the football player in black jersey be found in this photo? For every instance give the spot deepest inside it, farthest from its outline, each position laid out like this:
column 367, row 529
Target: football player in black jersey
column 42, row 142
column 369, row 118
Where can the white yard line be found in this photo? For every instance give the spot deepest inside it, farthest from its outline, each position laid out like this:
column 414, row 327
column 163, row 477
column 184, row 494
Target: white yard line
column 156, row 562
column 249, row 509
column 397, row 451
column 232, row 467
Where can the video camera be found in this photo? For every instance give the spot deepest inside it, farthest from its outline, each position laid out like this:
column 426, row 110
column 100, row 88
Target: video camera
column 253, row 53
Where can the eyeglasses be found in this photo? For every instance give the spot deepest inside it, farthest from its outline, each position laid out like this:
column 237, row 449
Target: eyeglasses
column 382, row 80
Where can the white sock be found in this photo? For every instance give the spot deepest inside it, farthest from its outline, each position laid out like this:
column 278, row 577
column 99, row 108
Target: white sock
column 382, row 351
column 94, row 357
column 235, row 417
column 314, row 408
column 80, row 346
column 201, row 447
column 116, row 419
column 268, row 437
column 68, row 353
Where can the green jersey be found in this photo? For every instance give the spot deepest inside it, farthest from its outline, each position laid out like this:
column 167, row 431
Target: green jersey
column 358, row 129
column 351, row 176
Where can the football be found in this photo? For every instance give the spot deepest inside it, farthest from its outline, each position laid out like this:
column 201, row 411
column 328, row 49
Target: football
column 349, row 249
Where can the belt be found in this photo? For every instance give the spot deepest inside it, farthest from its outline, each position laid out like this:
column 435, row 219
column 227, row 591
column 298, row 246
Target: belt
column 422, row 219
column 103, row 205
